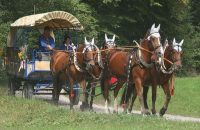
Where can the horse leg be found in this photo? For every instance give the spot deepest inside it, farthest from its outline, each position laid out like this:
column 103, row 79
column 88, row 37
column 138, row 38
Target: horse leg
column 154, row 92
column 132, row 100
column 167, row 99
column 85, row 104
column 105, row 91
column 71, row 92
column 139, row 89
column 55, row 91
column 145, row 92
column 92, row 96
column 116, row 91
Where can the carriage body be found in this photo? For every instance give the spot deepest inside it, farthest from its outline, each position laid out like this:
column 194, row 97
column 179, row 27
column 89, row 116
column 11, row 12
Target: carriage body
column 30, row 73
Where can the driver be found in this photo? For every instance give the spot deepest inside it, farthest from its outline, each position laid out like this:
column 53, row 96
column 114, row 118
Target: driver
column 46, row 42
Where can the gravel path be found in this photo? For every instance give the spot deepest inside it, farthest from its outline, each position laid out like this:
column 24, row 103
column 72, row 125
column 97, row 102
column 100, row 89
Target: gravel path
column 64, row 102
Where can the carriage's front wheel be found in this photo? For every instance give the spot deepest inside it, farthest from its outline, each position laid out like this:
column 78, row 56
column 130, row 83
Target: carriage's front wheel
column 28, row 91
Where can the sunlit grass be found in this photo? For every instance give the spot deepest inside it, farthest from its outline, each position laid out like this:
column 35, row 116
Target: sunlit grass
column 186, row 100
column 18, row 113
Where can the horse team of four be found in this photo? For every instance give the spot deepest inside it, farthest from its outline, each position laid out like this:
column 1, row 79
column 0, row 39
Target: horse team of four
column 149, row 63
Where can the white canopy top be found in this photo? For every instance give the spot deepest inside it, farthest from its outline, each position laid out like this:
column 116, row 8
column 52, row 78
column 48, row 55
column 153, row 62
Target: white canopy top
column 55, row 19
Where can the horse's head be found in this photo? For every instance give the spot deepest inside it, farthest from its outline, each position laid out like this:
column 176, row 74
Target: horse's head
column 153, row 38
column 109, row 43
column 175, row 53
column 90, row 53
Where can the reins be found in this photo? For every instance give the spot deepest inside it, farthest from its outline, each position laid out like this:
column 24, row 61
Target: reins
column 151, row 52
column 121, row 48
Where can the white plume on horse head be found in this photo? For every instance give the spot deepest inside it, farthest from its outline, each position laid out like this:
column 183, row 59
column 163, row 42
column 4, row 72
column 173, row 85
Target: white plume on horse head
column 86, row 42
column 109, row 41
column 158, row 28
column 153, row 26
column 92, row 42
column 106, row 38
column 154, row 31
column 89, row 45
column 181, row 43
column 177, row 46
column 166, row 44
column 174, row 41
column 113, row 39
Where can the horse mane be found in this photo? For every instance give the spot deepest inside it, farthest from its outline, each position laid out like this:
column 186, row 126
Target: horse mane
column 145, row 36
column 104, row 45
column 80, row 47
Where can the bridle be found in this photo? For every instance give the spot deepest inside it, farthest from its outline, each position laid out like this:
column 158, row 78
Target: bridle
column 174, row 61
column 86, row 59
column 139, row 53
column 110, row 43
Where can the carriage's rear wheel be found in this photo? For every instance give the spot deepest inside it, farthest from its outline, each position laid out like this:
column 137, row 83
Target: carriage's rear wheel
column 28, row 91
column 11, row 87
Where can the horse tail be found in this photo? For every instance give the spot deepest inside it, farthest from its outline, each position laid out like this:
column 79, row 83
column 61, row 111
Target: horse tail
column 128, row 91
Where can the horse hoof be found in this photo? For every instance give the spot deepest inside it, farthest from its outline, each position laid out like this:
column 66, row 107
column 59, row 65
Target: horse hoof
column 107, row 111
column 91, row 110
column 84, row 106
column 153, row 112
column 71, row 109
column 146, row 112
column 129, row 111
column 162, row 111
column 115, row 112
column 81, row 107
column 55, row 102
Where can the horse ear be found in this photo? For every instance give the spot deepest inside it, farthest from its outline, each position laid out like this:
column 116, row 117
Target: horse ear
column 166, row 44
column 106, row 38
column 85, row 40
column 174, row 41
column 92, row 41
column 113, row 38
column 158, row 28
column 153, row 26
column 181, row 43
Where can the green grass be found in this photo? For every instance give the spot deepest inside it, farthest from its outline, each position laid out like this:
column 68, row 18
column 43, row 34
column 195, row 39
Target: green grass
column 18, row 113
column 186, row 100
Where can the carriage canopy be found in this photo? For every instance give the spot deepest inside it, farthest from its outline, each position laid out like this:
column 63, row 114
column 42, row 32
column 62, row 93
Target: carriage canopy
column 55, row 20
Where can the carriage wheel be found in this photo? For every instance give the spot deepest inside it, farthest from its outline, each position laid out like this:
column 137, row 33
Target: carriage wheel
column 11, row 87
column 76, row 94
column 28, row 91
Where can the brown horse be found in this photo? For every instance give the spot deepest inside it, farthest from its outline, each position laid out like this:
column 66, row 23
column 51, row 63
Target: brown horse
column 108, row 46
column 84, row 64
column 164, row 77
column 129, row 66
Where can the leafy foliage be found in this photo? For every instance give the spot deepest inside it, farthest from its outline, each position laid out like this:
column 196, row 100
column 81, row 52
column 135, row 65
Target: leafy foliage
column 128, row 19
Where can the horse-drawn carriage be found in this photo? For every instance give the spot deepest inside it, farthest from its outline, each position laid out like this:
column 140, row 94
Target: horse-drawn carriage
column 30, row 70
column 25, row 70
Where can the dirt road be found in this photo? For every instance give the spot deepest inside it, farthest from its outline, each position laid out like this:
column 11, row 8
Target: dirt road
column 64, row 102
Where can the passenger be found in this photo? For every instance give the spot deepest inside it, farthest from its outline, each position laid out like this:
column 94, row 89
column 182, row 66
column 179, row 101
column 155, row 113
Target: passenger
column 22, row 57
column 46, row 42
column 67, row 44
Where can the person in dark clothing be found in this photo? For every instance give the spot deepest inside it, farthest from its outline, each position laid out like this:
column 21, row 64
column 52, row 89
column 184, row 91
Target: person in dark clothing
column 67, row 44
